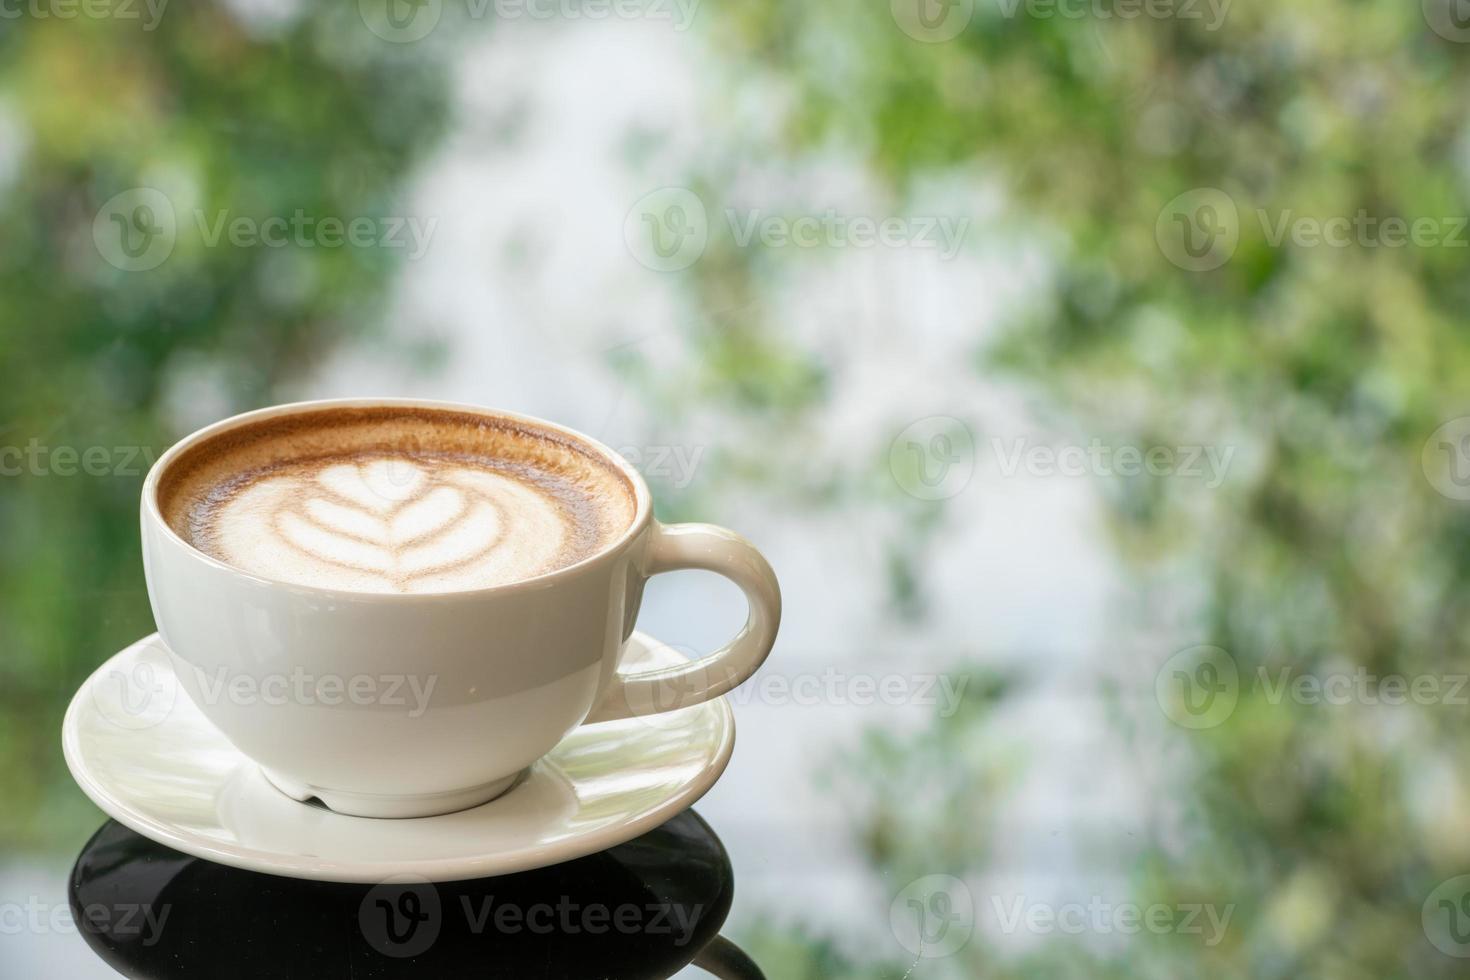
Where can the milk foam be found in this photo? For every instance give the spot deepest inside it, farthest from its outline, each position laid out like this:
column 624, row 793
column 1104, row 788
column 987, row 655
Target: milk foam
column 428, row 518
column 390, row 524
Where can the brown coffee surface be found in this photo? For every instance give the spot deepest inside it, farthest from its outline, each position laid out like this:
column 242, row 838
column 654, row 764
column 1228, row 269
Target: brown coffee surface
column 386, row 499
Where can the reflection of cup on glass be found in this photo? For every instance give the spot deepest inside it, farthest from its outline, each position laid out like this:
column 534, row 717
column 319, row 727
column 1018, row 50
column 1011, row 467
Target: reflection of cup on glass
column 644, row 908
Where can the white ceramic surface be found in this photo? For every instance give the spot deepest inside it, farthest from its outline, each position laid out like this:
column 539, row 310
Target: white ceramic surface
column 150, row 758
column 513, row 668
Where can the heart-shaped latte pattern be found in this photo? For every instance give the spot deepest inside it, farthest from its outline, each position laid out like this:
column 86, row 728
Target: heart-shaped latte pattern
column 392, row 524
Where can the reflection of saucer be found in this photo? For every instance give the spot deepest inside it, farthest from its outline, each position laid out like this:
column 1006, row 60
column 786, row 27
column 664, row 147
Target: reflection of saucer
column 644, row 908
column 174, row 778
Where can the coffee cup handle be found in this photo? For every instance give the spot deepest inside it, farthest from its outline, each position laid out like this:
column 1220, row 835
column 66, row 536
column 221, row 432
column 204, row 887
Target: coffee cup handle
column 678, row 547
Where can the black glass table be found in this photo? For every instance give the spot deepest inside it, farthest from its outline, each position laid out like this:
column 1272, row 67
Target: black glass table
column 644, row 909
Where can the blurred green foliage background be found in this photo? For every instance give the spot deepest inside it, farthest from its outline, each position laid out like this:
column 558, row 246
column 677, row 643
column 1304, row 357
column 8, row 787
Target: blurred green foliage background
column 325, row 118
column 1327, row 830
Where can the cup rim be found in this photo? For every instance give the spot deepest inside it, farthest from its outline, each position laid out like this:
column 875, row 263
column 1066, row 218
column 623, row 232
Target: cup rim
column 643, row 503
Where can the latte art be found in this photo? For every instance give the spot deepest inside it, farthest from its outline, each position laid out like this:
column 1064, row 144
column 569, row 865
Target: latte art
column 393, row 525
column 459, row 507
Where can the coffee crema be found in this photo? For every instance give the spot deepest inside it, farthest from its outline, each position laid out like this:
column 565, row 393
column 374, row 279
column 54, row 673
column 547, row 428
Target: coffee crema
column 395, row 499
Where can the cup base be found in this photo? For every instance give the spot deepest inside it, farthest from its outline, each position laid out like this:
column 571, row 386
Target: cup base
column 392, row 807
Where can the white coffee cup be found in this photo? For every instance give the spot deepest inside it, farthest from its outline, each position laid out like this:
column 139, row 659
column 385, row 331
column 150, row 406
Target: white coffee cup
column 297, row 677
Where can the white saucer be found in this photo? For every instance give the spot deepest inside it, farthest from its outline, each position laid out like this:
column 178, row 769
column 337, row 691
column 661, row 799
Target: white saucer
column 167, row 773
